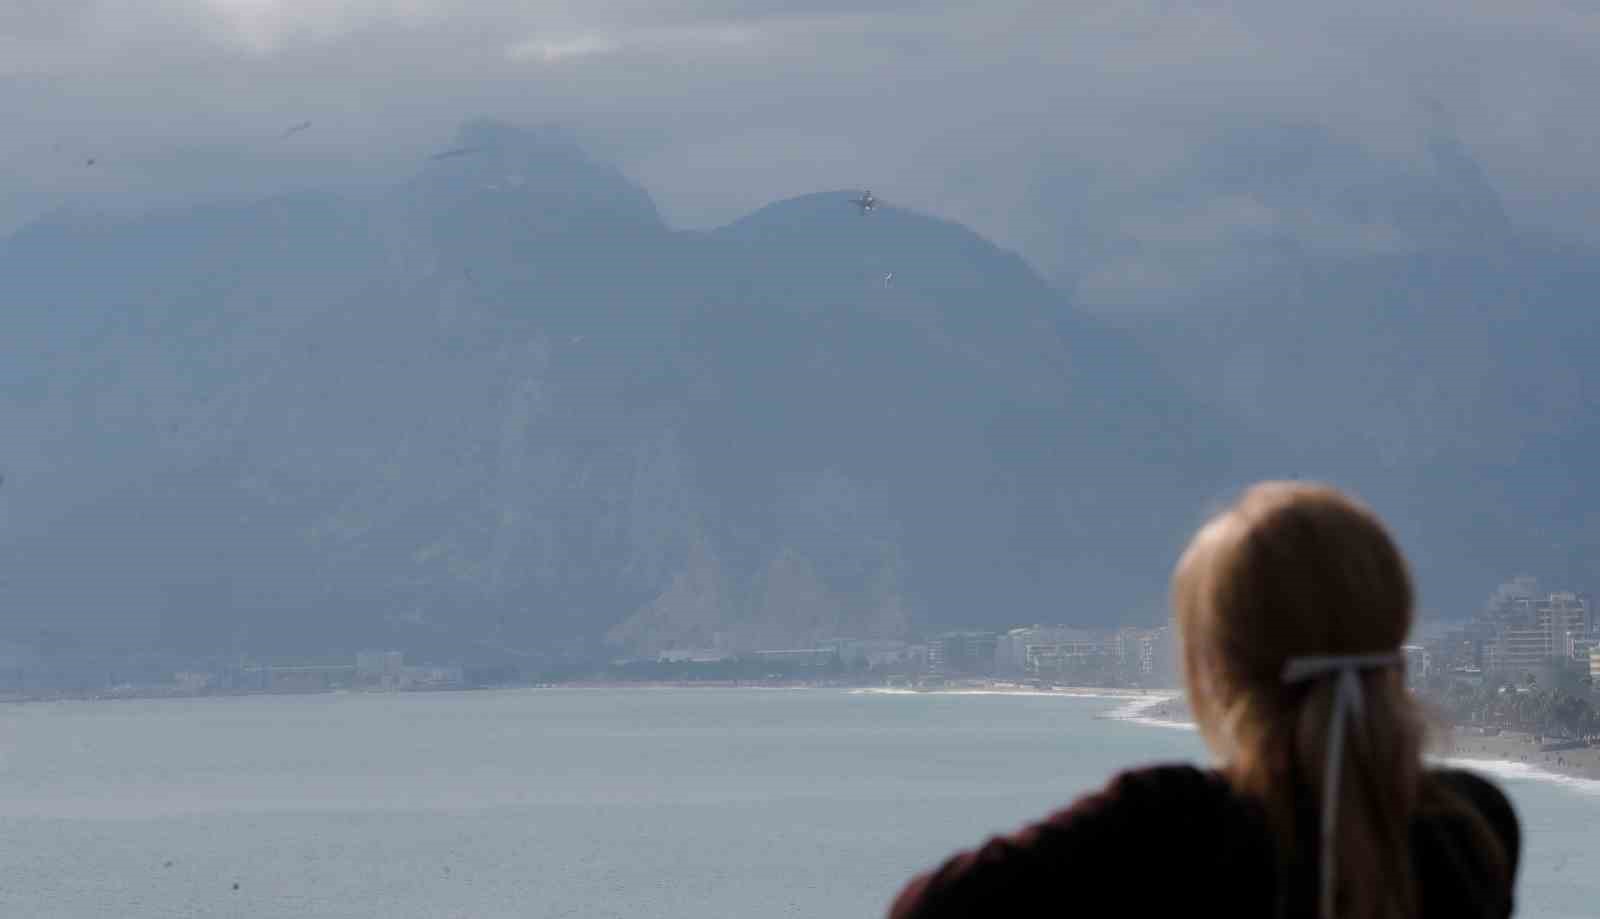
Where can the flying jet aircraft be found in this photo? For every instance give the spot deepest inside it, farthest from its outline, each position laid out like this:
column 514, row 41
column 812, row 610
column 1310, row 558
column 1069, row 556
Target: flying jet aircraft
column 459, row 151
column 866, row 203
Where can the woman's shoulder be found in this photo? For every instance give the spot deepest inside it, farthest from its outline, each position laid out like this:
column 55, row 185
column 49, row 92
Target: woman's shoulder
column 1483, row 794
column 1155, row 792
column 1135, row 817
column 1165, row 781
column 1463, row 787
column 1151, row 792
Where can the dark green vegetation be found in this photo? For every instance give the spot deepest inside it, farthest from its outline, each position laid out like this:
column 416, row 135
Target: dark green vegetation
column 1564, row 712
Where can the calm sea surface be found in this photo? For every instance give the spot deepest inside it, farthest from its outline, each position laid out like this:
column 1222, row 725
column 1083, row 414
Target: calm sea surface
column 675, row 803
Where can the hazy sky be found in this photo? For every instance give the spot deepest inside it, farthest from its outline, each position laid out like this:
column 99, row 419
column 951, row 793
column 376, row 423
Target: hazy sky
column 1077, row 132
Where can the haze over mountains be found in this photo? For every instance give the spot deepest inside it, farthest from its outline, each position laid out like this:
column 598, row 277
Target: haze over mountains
column 503, row 405
column 1423, row 348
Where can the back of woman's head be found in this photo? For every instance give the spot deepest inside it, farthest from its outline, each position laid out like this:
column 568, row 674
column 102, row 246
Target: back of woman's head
column 1296, row 570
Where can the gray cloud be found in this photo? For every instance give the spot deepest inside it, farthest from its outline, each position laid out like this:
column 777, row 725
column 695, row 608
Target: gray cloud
column 1095, row 137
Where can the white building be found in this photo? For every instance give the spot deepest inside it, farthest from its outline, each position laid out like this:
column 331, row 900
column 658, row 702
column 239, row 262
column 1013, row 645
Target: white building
column 1533, row 634
column 1011, row 648
column 1160, row 664
column 1418, row 664
column 192, row 681
column 1010, row 653
column 692, row 656
column 430, row 677
column 867, row 653
column 384, row 668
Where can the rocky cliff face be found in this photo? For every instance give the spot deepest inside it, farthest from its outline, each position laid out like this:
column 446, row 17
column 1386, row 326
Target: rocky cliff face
column 502, row 407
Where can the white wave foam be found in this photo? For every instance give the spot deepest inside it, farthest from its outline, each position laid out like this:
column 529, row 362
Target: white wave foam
column 1523, row 772
column 1133, row 712
column 1162, row 723
column 1134, row 707
column 1144, row 700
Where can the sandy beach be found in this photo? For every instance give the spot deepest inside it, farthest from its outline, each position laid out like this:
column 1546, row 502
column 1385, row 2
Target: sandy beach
column 1448, row 744
column 1507, row 747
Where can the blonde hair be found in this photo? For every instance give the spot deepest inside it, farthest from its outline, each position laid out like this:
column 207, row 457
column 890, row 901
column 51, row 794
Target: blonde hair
column 1296, row 570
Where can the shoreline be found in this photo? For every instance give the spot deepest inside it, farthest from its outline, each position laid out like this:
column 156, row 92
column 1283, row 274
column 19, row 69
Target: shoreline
column 970, row 687
column 1506, row 754
column 1517, row 755
column 1149, row 696
column 1170, row 712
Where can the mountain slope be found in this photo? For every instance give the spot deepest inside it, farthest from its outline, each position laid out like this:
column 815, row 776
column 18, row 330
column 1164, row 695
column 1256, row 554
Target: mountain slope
column 1456, row 388
column 503, row 408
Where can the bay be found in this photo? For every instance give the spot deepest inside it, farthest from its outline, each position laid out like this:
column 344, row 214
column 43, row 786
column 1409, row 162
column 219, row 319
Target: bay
column 668, row 803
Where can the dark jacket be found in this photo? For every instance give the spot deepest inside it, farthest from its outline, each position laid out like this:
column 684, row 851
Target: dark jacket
column 1178, row 841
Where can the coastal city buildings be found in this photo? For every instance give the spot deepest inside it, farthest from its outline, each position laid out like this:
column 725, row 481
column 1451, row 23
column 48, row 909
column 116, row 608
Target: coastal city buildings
column 962, row 654
column 1064, row 654
column 1053, row 654
column 801, row 659
column 1542, row 632
column 1521, row 633
column 1418, row 661
column 875, row 654
column 380, row 668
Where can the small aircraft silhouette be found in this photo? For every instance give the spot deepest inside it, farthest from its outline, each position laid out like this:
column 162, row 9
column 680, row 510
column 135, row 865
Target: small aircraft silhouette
column 296, row 129
column 866, row 203
column 888, row 279
column 459, row 151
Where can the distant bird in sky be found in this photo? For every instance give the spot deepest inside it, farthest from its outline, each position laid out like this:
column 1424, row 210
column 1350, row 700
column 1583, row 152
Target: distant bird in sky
column 90, row 161
column 297, row 128
column 888, row 279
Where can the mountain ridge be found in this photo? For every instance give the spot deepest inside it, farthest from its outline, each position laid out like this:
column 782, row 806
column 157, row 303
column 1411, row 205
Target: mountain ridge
column 471, row 412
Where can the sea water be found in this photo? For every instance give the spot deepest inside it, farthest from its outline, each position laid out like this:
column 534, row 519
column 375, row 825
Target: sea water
column 671, row 803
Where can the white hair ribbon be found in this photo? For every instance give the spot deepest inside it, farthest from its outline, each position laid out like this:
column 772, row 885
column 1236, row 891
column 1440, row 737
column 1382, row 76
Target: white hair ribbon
column 1346, row 702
